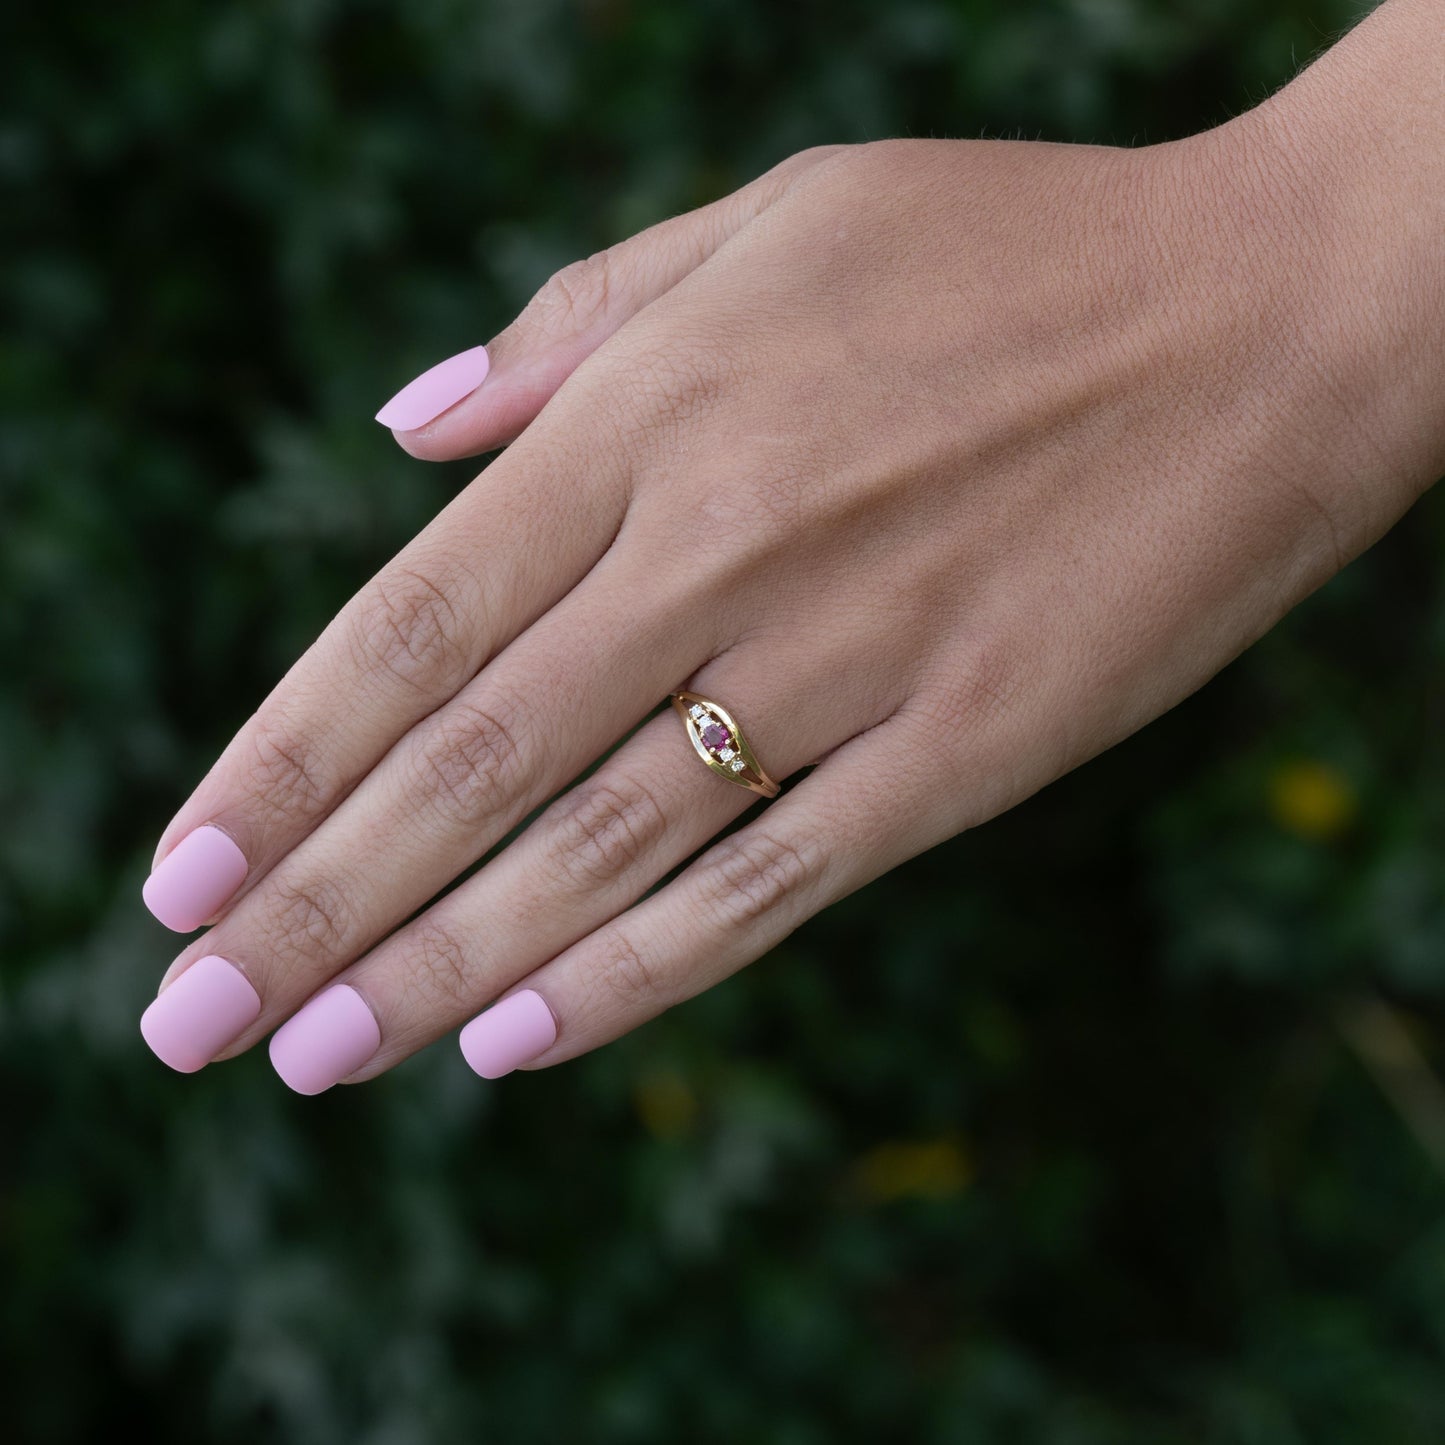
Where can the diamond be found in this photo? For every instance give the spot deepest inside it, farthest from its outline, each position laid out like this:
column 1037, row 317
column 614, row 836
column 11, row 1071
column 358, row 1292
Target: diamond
column 697, row 710
column 725, row 753
column 736, row 765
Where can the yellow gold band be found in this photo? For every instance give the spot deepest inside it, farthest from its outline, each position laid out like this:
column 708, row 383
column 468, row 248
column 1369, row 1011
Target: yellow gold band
column 719, row 742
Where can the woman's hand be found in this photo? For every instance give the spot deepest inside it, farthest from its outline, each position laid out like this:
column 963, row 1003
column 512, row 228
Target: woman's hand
column 944, row 465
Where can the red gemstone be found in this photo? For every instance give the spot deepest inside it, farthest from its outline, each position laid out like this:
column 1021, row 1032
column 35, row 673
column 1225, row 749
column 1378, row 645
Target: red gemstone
column 714, row 736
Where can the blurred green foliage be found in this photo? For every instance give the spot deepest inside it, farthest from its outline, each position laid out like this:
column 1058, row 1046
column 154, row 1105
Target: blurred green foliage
column 1118, row 1121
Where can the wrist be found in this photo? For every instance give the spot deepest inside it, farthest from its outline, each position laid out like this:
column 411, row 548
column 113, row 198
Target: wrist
column 1344, row 168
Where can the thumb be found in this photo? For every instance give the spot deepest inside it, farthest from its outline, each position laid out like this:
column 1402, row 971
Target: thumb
column 449, row 412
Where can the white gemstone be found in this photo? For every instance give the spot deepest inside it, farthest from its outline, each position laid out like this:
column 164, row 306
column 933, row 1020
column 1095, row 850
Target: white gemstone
column 725, row 754
column 697, row 710
column 736, row 765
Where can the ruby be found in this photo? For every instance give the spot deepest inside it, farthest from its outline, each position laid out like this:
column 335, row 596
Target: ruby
column 714, row 735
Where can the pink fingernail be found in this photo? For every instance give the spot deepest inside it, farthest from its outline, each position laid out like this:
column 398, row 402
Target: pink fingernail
column 194, row 879
column 426, row 398
column 509, row 1034
column 333, row 1036
column 199, row 1014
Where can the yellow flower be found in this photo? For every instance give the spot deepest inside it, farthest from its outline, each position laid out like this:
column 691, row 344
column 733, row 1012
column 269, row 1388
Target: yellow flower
column 926, row 1169
column 1312, row 799
column 665, row 1103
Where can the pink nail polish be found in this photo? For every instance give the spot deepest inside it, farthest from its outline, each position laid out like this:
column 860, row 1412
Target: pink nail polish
column 199, row 1014
column 194, row 879
column 333, row 1036
column 426, row 398
column 509, row 1034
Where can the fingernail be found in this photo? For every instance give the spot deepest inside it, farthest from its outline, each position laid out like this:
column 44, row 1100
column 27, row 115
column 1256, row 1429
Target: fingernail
column 194, row 879
column 509, row 1034
column 333, row 1036
column 199, row 1014
column 426, row 398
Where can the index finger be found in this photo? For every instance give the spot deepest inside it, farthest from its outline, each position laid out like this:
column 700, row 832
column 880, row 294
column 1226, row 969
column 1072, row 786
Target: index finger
column 497, row 557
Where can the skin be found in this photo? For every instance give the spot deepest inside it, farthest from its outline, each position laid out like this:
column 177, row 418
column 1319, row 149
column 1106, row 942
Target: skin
column 944, row 465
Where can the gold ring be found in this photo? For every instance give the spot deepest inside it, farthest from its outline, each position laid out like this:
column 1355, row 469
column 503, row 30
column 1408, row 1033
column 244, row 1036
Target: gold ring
column 719, row 742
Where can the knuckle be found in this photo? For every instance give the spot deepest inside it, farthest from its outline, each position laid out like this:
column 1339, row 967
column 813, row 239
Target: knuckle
column 413, row 626
column 887, row 157
column 752, row 872
column 979, row 690
column 812, row 162
column 573, row 297
column 471, row 763
column 602, row 829
column 709, row 541
column 662, row 381
column 631, row 982
column 775, row 506
column 741, row 525
column 440, row 965
column 1326, row 521
column 285, row 775
column 811, row 155
column 958, row 713
column 311, row 918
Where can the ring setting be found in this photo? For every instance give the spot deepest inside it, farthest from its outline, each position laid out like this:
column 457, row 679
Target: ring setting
column 719, row 742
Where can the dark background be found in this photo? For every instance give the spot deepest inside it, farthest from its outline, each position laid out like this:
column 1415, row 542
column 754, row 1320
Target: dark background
column 1117, row 1121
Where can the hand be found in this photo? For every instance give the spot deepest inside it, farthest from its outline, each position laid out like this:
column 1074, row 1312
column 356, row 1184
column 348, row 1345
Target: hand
column 944, row 465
